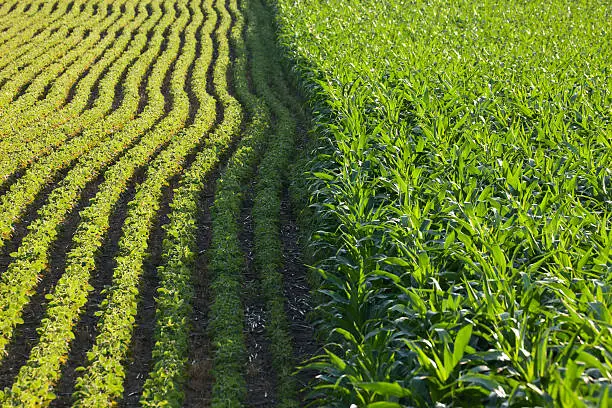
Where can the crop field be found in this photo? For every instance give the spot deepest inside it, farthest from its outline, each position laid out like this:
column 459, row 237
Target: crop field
column 145, row 220
column 285, row 203
column 462, row 193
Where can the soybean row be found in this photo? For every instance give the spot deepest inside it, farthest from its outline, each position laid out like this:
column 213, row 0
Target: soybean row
column 118, row 119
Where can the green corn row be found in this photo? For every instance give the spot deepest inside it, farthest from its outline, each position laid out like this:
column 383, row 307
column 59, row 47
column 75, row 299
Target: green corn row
column 462, row 184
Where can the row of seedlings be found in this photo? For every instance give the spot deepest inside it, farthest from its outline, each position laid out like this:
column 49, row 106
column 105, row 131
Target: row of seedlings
column 19, row 8
column 49, row 90
column 14, row 9
column 226, row 257
column 104, row 130
column 43, row 362
column 57, row 333
column 23, row 73
column 116, row 324
column 34, row 142
column 267, row 203
column 42, row 26
column 19, row 280
column 164, row 387
column 35, row 133
column 175, row 291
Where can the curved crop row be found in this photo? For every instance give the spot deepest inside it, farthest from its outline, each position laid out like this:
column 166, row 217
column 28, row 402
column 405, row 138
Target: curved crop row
column 33, row 142
column 14, row 202
column 30, row 259
column 102, row 380
column 64, row 310
column 44, row 20
column 34, row 129
column 164, row 385
column 227, row 260
column 268, row 256
column 226, row 265
column 101, row 91
column 54, row 83
column 22, row 71
column 16, row 10
column 71, row 22
column 18, row 52
column 10, row 7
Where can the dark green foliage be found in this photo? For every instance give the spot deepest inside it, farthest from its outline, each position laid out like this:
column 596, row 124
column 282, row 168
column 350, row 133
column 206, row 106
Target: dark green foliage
column 462, row 182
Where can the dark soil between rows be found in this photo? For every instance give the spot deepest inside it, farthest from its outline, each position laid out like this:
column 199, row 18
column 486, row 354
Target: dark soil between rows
column 198, row 389
column 26, row 335
column 297, row 291
column 260, row 380
column 140, row 360
column 85, row 329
